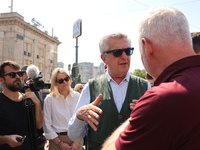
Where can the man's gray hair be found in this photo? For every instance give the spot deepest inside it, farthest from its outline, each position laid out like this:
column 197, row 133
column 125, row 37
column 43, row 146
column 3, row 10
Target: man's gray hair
column 103, row 44
column 163, row 26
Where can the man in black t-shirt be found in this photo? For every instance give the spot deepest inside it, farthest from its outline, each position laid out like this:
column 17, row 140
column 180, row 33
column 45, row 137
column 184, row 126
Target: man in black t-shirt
column 13, row 113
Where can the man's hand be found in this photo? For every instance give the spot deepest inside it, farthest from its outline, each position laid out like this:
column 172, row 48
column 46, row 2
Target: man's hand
column 38, row 108
column 11, row 140
column 32, row 96
column 89, row 112
column 65, row 146
column 132, row 105
column 75, row 145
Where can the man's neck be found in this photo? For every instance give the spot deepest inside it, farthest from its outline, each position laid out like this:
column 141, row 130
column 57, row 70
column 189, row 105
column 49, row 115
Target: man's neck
column 118, row 79
column 15, row 96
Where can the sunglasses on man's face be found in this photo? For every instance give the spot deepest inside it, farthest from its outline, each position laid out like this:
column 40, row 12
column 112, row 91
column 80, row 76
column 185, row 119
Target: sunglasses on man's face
column 118, row 52
column 60, row 81
column 13, row 74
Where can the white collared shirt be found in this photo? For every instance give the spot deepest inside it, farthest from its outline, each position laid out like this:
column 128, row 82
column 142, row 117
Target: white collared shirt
column 119, row 90
column 57, row 113
column 78, row 128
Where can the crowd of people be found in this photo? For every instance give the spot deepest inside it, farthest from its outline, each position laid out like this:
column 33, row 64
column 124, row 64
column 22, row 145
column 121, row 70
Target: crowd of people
column 116, row 110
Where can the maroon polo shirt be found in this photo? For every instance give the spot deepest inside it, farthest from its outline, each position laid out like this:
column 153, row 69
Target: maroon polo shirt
column 168, row 115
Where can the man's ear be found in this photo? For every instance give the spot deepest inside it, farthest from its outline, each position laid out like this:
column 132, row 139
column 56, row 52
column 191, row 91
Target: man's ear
column 103, row 58
column 1, row 80
column 147, row 46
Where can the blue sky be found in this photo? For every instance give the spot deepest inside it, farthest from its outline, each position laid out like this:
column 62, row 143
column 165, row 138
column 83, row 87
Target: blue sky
column 99, row 17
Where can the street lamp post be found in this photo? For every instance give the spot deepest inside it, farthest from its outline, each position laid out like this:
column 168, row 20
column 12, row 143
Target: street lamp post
column 11, row 7
column 76, row 68
column 77, row 31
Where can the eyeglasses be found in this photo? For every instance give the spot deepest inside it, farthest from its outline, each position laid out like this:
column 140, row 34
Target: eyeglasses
column 13, row 74
column 60, row 81
column 118, row 52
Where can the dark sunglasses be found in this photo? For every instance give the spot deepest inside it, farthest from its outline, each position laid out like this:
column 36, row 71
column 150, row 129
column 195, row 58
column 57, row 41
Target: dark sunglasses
column 60, row 81
column 118, row 52
column 13, row 74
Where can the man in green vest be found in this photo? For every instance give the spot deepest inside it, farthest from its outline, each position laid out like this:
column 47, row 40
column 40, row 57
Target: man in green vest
column 196, row 42
column 113, row 91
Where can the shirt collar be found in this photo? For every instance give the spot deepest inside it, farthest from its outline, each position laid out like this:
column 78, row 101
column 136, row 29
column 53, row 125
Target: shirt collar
column 179, row 65
column 59, row 95
column 127, row 77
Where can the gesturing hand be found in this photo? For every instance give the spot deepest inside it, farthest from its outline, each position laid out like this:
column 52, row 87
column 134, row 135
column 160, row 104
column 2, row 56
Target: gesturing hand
column 89, row 112
column 132, row 105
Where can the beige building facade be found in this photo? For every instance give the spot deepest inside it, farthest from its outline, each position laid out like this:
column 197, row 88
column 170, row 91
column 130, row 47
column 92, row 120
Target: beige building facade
column 26, row 44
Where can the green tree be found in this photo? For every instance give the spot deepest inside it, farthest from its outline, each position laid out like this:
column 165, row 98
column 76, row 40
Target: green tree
column 79, row 78
column 139, row 73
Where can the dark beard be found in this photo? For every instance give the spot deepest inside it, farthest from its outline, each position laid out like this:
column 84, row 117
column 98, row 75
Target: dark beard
column 13, row 87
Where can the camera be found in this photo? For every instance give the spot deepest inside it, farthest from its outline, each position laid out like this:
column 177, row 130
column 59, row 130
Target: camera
column 34, row 77
column 37, row 84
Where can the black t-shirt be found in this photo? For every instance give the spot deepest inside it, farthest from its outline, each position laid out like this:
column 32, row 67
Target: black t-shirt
column 13, row 120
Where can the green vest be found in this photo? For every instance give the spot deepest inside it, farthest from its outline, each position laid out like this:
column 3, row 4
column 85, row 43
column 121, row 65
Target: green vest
column 110, row 119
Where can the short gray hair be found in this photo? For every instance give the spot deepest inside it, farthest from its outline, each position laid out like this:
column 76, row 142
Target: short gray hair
column 165, row 25
column 103, row 44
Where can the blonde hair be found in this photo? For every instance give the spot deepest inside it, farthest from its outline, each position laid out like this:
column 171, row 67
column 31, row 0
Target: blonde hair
column 77, row 87
column 54, row 88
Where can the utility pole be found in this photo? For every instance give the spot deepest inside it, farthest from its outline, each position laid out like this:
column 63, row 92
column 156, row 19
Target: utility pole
column 11, row 7
column 76, row 68
column 77, row 31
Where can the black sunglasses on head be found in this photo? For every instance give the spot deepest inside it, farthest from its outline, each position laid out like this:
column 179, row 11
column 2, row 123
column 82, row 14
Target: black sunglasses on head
column 118, row 52
column 60, row 81
column 13, row 74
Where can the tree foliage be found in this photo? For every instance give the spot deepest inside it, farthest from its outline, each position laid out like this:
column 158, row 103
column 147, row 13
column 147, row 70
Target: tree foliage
column 139, row 73
column 73, row 79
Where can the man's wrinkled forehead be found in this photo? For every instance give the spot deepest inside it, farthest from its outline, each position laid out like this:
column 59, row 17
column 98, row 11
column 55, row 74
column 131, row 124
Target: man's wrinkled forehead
column 114, row 43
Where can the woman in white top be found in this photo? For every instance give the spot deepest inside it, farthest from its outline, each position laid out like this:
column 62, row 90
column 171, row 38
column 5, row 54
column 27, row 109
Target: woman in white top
column 58, row 109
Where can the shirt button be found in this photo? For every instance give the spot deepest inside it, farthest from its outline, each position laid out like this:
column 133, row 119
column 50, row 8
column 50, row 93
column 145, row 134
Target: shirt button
column 118, row 100
column 120, row 116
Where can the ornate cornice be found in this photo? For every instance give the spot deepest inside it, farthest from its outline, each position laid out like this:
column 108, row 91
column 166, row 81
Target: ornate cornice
column 4, row 21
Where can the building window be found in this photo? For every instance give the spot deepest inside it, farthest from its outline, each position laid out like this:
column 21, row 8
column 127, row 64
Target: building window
column 37, row 51
column 40, row 66
column 50, row 69
column 28, row 47
column 42, row 52
column 25, row 62
column 28, row 62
